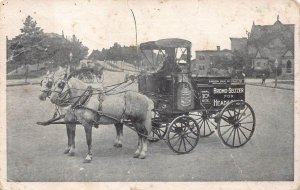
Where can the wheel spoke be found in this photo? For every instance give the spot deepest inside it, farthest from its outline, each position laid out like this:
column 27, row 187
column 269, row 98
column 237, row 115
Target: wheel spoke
column 211, row 123
column 229, row 113
column 236, row 116
column 246, row 128
column 194, row 114
column 155, row 132
column 234, row 136
column 190, row 136
column 237, row 130
column 208, row 126
column 243, row 113
column 180, row 144
column 174, row 136
column 225, row 125
column 226, row 130
column 225, row 119
column 229, row 135
column 243, row 133
column 177, row 141
column 200, row 124
column 189, row 142
column 204, row 128
column 246, row 122
column 245, row 117
column 184, row 144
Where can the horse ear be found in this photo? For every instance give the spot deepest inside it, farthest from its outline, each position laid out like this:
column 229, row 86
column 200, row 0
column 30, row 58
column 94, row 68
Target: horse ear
column 68, row 71
column 48, row 72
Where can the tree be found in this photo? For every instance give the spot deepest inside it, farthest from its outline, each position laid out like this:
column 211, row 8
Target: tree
column 79, row 51
column 26, row 47
column 116, row 53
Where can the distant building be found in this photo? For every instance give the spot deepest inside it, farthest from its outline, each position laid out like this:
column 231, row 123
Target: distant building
column 209, row 55
column 206, row 59
column 239, row 45
column 266, row 44
column 199, row 67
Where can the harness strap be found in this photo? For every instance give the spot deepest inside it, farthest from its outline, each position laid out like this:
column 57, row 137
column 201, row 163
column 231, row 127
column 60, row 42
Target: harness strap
column 79, row 101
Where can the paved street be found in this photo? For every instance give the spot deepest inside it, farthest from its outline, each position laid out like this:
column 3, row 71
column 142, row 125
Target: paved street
column 35, row 153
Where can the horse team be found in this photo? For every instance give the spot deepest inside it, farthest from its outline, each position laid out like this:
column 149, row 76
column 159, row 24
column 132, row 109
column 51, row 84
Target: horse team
column 64, row 91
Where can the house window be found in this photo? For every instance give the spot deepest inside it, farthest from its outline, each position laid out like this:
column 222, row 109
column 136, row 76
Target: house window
column 288, row 66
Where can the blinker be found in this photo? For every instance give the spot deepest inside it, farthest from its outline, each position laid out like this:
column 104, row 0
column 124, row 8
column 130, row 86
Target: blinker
column 49, row 84
column 61, row 85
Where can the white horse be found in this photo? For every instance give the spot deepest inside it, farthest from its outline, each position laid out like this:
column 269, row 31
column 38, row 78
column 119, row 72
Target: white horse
column 114, row 109
column 62, row 110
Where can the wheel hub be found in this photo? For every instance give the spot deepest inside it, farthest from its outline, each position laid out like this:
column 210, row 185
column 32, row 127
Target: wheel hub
column 236, row 125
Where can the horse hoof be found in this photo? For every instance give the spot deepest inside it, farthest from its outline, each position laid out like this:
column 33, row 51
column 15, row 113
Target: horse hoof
column 88, row 159
column 142, row 156
column 67, row 150
column 71, row 154
column 117, row 145
column 136, row 155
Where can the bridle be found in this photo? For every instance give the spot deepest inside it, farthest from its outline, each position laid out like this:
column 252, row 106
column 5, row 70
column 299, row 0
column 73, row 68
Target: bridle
column 48, row 85
column 63, row 96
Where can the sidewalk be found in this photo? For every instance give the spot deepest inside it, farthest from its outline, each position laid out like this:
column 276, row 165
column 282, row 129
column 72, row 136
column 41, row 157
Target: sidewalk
column 19, row 82
column 270, row 83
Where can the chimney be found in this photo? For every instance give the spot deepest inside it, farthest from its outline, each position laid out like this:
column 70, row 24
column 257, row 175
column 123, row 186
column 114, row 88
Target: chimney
column 218, row 48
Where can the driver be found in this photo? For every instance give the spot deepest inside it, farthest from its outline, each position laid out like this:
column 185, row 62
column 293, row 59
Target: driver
column 169, row 66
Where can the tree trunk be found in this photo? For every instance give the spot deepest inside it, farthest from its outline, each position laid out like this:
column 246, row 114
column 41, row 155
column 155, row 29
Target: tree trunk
column 26, row 72
column 16, row 67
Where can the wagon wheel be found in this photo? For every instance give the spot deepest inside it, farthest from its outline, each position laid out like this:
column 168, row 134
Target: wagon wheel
column 205, row 122
column 159, row 129
column 236, row 124
column 183, row 134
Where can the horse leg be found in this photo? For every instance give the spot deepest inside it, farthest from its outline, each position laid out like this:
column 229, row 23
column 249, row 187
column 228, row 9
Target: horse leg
column 67, row 149
column 88, row 134
column 147, row 126
column 119, row 130
column 139, row 148
column 72, row 131
column 144, row 148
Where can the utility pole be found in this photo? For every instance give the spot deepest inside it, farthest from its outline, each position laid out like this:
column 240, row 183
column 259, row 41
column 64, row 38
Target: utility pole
column 136, row 43
column 276, row 67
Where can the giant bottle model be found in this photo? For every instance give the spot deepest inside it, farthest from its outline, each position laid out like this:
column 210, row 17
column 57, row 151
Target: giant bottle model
column 185, row 96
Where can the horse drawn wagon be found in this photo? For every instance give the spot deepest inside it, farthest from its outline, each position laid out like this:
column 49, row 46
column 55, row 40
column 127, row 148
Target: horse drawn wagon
column 188, row 107
column 180, row 107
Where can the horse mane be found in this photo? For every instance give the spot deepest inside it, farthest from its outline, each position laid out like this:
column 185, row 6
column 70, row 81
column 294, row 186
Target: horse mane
column 75, row 81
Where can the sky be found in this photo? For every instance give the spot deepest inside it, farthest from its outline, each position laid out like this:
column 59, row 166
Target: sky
column 98, row 24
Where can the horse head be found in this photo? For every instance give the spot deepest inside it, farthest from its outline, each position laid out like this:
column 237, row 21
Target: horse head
column 46, row 85
column 60, row 81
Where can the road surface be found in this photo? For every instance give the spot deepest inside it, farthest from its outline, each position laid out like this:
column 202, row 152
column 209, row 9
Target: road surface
column 35, row 153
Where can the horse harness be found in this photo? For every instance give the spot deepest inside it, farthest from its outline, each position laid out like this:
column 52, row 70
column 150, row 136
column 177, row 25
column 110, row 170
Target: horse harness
column 85, row 97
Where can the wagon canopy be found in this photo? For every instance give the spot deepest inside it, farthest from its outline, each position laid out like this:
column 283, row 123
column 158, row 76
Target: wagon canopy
column 166, row 43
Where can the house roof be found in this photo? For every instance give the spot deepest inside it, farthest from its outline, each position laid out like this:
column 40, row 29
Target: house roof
column 271, row 41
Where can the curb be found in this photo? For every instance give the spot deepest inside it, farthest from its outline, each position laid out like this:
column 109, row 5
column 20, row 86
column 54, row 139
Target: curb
column 22, row 84
column 282, row 88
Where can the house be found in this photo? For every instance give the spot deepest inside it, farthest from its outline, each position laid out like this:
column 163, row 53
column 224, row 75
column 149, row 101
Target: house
column 287, row 62
column 266, row 44
column 206, row 60
column 199, row 67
